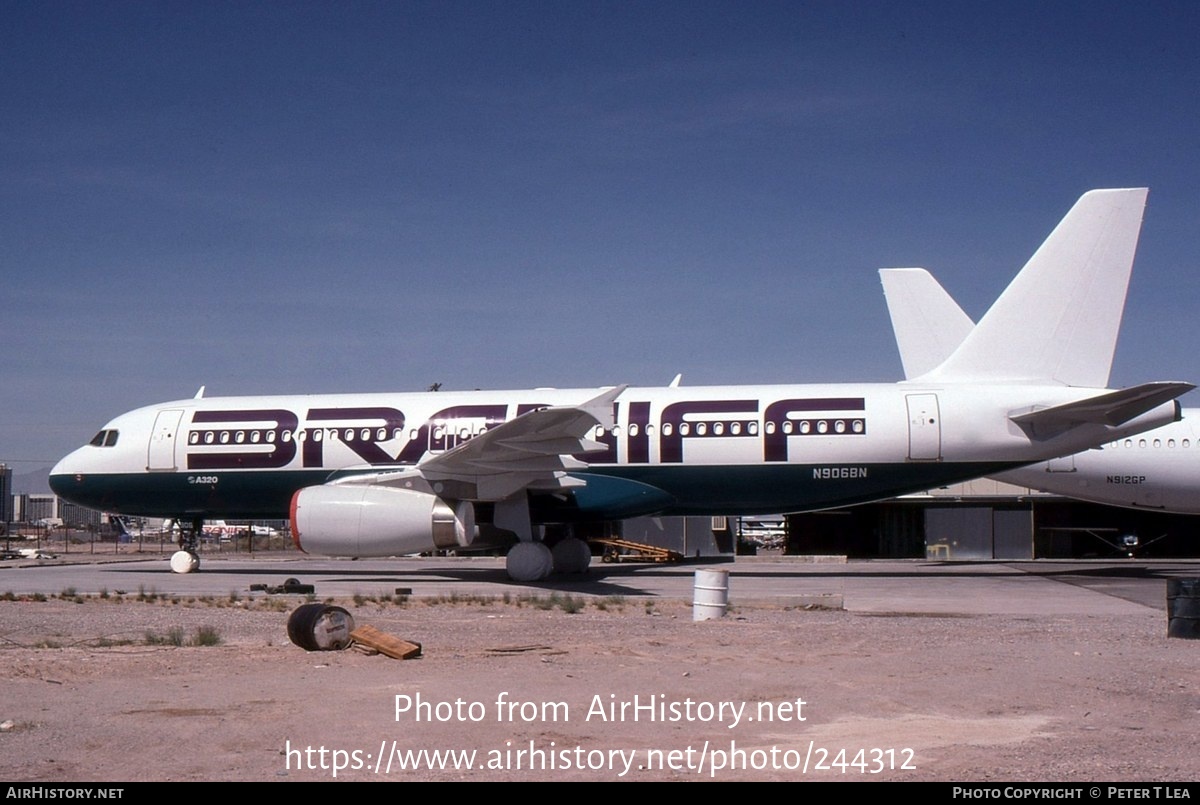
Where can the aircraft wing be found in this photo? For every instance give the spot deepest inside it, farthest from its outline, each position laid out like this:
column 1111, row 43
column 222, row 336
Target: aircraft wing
column 1114, row 408
column 533, row 451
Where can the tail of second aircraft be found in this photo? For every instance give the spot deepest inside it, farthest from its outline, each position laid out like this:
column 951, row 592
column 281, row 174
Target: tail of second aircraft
column 1057, row 322
column 928, row 324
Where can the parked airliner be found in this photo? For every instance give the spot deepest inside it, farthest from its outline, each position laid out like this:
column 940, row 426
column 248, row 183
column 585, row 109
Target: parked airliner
column 389, row 474
column 1158, row 470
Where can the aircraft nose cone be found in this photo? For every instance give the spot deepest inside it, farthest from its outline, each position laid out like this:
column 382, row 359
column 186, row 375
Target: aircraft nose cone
column 63, row 478
column 59, row 483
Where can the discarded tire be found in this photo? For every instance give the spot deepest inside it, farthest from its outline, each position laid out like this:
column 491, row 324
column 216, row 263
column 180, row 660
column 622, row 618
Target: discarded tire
column 320, row 627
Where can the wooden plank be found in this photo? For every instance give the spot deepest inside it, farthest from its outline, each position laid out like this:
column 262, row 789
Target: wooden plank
column 386, row 644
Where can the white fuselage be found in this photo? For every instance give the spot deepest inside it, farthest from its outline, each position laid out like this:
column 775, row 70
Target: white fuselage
column 717, row 449
column 1158, row 469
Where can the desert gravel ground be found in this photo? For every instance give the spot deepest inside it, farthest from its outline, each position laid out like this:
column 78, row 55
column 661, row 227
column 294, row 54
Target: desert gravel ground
column 89, row 695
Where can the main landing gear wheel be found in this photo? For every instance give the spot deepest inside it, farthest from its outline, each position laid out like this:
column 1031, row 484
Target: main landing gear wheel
column 184, row 562
column 571, row 555
column 529, row 561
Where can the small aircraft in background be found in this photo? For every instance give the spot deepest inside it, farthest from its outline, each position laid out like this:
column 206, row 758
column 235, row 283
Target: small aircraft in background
column 211, row 530
column 26, row 553
column 220, row 530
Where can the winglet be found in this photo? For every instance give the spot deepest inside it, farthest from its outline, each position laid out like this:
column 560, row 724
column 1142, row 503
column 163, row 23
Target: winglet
column 600, row 406
column 1058, row 320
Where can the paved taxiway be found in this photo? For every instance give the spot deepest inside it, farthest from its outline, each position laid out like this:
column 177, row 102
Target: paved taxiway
column 905, row 586
column 988, row 671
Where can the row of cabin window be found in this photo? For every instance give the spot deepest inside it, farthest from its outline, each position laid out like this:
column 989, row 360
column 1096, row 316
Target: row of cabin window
column 317, row 434
column 108, row 438
column 803, row 426
column 1170, row 443
column 806, row 426
column 269, row 436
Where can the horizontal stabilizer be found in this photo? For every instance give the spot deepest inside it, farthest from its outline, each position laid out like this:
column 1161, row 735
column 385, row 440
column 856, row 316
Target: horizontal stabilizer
column 1113, row 409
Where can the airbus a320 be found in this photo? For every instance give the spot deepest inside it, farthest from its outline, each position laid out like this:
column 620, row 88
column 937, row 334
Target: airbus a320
column 390, row 474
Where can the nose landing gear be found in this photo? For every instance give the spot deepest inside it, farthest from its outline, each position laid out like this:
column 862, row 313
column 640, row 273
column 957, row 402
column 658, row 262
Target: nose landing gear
column 187, row 559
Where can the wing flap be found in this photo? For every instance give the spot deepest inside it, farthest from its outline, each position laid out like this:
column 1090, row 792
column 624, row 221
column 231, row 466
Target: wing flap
column 567, row 446
column 533, row 451
column 510, row 463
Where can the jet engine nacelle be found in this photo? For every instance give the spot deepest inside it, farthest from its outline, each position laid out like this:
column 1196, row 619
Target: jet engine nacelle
column 362, row 520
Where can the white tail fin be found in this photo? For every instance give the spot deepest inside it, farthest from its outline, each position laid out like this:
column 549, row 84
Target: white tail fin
column 928, row 324
column 1057, row 322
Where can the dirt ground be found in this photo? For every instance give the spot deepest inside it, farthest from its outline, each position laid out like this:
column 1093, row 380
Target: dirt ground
column 624, row 689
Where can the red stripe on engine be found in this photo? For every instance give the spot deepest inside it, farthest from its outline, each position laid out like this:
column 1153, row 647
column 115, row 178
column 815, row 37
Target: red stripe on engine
column 295, row 526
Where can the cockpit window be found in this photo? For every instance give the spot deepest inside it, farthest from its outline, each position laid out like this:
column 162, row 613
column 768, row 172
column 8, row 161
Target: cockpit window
column 105, row 438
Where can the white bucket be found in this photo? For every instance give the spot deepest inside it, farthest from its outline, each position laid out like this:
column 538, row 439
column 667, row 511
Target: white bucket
column 710, row 598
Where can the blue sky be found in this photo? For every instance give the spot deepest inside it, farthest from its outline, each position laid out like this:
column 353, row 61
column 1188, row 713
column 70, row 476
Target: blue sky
column 377, row 196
